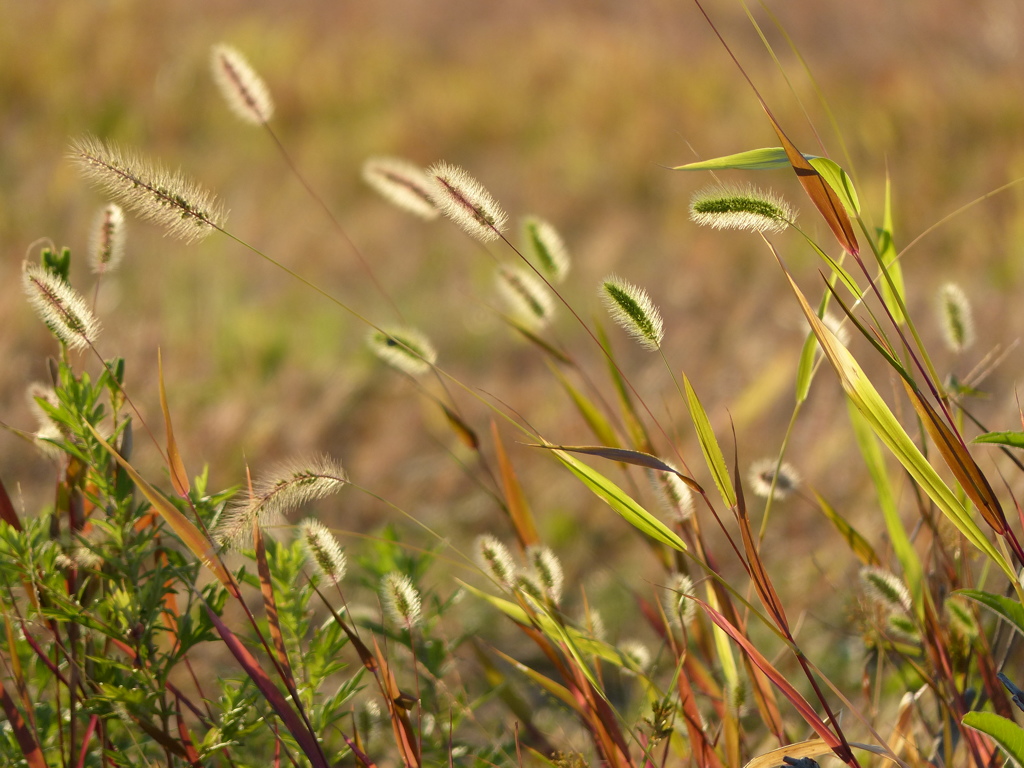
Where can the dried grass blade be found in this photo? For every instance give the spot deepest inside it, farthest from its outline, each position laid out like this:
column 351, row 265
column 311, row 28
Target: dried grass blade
column 556, row 689
column 306, row 740
column 270, row 606
column 362, row 757
column 7, row 513
column 462, row 430
column 405, row 737
column 703, row 752
column 518, row 507
column 186, row 739
column 26, row 739
column 179, row 477
column 960, row 462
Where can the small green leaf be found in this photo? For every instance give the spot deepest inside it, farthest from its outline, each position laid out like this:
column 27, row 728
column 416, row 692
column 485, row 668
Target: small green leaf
column 709, row 445
column 1012, row 439
column 1006, row 733
column 1008, row 608
column 764, row 159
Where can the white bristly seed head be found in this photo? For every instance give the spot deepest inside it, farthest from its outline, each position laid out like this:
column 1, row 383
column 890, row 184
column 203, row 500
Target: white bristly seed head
column 956, row 318
column 405, row 349
column 400, row 598
column 762, row 473
column 885, row 589
column 403, row 184
column 673, row 494
column 679, row 609
column 748, row 208
column 63, row 310
column 322, row 550
column 527, row 297
column 107, row 245
column 495, row 560
column 545, row 248
column 547, row 570
column 632, row 309
column 464, row 200
column 243, row 90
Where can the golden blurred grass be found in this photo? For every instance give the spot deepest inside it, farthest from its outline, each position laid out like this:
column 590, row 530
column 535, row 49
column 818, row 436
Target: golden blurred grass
column 565, row 109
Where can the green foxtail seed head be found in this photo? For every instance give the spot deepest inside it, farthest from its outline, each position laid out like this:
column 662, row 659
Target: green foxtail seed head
column 632, row 309
column 960, row 618
column 547, row 570
column 495, row 560
column 526, row 296
column 284, row 488
column 403, row 184
column 749, row 208
column 464, row 200
column 545, row 248
column 673, row 494
column 323, row 551
column 107, row 244
column 183, row 208
column 63, row 310
column 885, row 589
column 400, row 598
column 405, row 349
column 243, row 90
column 526, row 584
column 762, row 475
column 902, row 627
column 956, row 318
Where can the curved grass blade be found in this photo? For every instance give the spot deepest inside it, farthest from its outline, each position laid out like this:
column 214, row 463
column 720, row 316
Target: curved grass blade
column 763, row 159
column 626, row 456
column 857, row 543
column 515, row 501
column 1012, row 439
column 1006, row 733
column 1009, row 609
column 709, row 445
column 621, row 502
column 839, row 180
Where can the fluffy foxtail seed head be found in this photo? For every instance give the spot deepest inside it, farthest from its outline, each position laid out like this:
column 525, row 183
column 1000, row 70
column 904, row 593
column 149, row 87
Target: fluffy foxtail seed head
column 107, row 245
column 284, row 488
column 762, row 476
column 956, row 318
column 749, row 208
column 406, row 349
column 885, row 589
column 244, row 91
column 527, row 297
column 183, row 208
column 400, row 598
column 464, row 200
column 403, row 184
column 495, row 560
column 679, row 609
column 546, row 248
column 62, row 309
column 322, row 550
column 636, row 655
column 547, row 570
column 673, row 494
column 632, row 309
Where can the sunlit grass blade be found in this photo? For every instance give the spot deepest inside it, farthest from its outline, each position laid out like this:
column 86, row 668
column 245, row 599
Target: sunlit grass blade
column 401, row 726
column 7, row 512
column 890, row 262
column 704, row 753
column 598, row 423
column 709, row 445
column 1012, row 439
column 860, row 546
column 899, row 539
column 1006, row 733
column 763, row 159
column 621, row 502
column 839, row 181
column 518, row 508
column 1008, row 608
column 545, row 683
column 467, row 436
column 176, row 467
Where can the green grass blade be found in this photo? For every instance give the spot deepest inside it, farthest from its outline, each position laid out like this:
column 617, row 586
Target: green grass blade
column 1006, row 733
column 596, row 420
column 889, row 259
column 1011, row 439
column 840, row 182
column 709, row 445
column 764, row 159
column 1007, row 607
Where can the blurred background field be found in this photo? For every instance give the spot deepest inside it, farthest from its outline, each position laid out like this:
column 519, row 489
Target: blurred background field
column 567, row 110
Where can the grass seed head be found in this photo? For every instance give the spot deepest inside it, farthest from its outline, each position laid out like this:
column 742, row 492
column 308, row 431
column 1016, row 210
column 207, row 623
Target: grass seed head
column 545, row 248
column 748, row 208
column 526, row 296
column 673, row 494
column 548, row 571
column 168, row 199
column 495, row 560
column 636, row 655
column 632, row 309
column 956, row 318
column 680, row 610
column 243, row 90
column 400, row 598
column 405, row 349
column 885, row 589
column 63, row 310
column 464, row 200
column 762, row 477
column 107, row 245
column 403, row 184
column 322, row 550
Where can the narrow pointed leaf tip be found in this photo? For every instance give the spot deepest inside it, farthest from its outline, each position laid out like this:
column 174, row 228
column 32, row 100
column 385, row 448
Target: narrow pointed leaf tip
column 632, row 309
column 747, row 208
column 464, row 200
column 243, row 90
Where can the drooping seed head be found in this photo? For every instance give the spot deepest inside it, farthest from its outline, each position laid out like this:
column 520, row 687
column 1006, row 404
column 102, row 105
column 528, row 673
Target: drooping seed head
column 632, row 309
column 885, row 589
column 679, row 608
column 284, row 488
column 495, row 560
column 107, row 244
column 183, row 208
column 526, row 296
column 763, row 477
column 323, row 551
column 673, row 494
column 243, row 90
column 545, row 248
column 63, row 310
column 464, row 200
column 956, row 318
column 748, row 208
column 405, row 349
column 403, row 184
column 401, row 599
column 547, row 570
